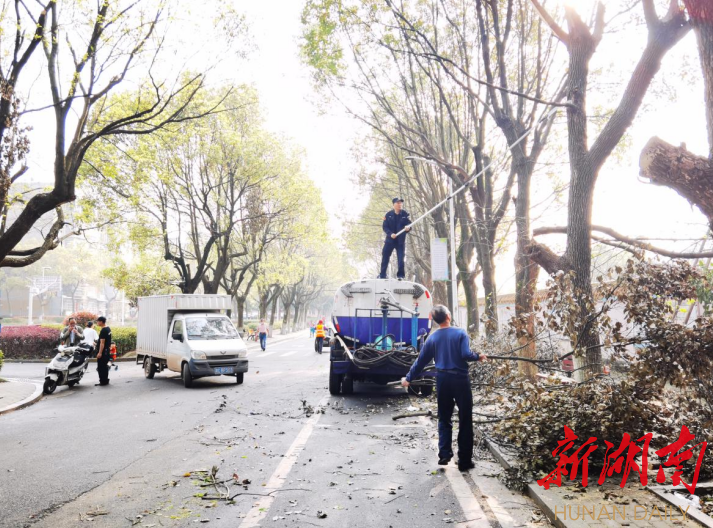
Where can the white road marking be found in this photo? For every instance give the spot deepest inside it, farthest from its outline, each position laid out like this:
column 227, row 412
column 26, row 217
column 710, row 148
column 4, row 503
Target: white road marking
column 292, row 353
column 260, row 509
column 467, row 501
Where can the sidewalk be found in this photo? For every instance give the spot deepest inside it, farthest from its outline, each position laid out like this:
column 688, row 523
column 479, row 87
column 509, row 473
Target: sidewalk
column 16, row 394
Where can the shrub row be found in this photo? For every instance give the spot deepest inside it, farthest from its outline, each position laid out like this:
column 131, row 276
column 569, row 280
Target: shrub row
column 37, row 342
column 28, row 342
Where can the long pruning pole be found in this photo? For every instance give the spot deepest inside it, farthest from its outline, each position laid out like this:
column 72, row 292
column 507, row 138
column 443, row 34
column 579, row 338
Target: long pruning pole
column 474, row 177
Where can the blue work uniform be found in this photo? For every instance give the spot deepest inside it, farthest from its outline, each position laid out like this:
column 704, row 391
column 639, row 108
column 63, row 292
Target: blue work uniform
column 393, row 223
column 450, row 349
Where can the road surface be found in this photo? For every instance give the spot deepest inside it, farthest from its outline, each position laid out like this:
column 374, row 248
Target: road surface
column 139, row 451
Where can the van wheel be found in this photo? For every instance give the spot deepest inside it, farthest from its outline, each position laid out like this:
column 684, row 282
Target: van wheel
column 335, row 381
column 49, row 386
column 239, row 377
column 186, row 376
column 348, row 385
column 149, row 368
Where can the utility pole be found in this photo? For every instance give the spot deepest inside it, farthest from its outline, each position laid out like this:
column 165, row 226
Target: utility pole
column 454, row 269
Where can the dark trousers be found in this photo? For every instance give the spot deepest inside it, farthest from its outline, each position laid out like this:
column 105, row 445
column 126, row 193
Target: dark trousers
column 319, row 343
column 454, row 389
column 263, row 341
column 103, row 368
column 389, row 245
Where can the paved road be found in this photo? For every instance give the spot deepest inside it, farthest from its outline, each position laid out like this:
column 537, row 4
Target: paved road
column 121, row 454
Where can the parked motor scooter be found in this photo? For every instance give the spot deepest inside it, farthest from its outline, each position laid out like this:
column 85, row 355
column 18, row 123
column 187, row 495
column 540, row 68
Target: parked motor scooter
column 67, row 367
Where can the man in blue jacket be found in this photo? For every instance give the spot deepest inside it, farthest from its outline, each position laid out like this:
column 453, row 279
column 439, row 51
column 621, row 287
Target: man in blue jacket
column 449, row 348
column 395, row 221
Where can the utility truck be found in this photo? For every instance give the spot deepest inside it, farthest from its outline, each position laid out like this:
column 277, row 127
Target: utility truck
column 189, row 334
column 380, row 326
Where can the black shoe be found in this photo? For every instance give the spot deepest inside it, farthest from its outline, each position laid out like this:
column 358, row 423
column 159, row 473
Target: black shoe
column 444, row 461
column 399, row 278
column 465, row 466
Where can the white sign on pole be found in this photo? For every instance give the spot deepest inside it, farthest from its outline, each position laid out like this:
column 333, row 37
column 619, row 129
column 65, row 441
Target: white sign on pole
column 439, row 259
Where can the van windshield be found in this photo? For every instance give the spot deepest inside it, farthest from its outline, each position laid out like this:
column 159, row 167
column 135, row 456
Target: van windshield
column 210, row 328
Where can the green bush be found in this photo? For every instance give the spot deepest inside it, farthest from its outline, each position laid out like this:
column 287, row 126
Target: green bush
column 53, row 326
column 82, row 317
column 124, row 337
column 1, row 359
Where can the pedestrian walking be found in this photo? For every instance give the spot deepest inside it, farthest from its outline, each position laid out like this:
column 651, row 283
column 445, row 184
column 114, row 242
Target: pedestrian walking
column 103, row 350
column 449, row 348
column 312, row 330
column 262, row 331
column 72, row 334
column 319, row 332
column 394, row 221
column 90, row 336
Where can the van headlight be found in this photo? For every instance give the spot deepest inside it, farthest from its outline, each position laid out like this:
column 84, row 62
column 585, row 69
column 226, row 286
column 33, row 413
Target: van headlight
column 243, row 353
column 198, row 355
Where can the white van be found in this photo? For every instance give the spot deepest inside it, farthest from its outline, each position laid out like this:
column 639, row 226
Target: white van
column 190, row 334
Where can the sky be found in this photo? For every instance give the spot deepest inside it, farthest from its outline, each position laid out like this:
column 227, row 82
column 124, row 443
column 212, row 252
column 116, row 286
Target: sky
column 673, row 110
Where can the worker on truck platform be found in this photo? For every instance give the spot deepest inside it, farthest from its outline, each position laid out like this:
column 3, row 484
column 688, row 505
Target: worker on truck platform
column 449, row 348
column 395, row 221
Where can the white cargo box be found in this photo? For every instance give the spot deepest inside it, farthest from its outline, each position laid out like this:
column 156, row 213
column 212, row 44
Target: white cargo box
column 156, row 313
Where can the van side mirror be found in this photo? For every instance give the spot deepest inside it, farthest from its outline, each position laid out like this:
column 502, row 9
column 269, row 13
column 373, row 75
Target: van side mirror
column 178, row 337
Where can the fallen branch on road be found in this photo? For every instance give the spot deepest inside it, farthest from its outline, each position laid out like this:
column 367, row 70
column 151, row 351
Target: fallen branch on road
column 254, row 494
column 412, row 415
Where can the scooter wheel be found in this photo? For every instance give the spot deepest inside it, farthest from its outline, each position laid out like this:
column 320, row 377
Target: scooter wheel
column 49, row 386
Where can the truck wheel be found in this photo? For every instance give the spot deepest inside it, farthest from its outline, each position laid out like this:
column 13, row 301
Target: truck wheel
column 239, row 377
column 348, row 385
column 335, row 381
column 49, row 386
column 186, row 376
column 149, row 368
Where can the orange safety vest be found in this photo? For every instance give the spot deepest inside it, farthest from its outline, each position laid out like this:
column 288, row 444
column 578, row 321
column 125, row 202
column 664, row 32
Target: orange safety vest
column 320, row 331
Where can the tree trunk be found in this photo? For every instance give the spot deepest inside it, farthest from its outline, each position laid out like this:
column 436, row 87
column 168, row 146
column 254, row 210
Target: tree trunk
column 286, row 318
column 241, row 310
column 295, row 318
column 464, row 259
column 263, row 298
column 689, row 175
column 273, row 310
column 526, row 272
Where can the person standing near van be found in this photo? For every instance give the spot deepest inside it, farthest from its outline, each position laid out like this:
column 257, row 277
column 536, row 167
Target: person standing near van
column 104, row 347
column 262, row 332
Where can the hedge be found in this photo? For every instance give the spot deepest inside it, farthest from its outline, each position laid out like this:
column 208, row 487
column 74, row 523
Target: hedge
column 38, row 342
column 28, row 342
column 1, row 359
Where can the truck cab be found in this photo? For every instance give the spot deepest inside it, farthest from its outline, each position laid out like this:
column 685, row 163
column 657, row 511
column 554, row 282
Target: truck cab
column 190, row 334
column 208, row 342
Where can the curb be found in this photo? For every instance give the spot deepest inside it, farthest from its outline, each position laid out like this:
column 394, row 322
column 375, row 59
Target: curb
column 35, row 397
column 531, row 490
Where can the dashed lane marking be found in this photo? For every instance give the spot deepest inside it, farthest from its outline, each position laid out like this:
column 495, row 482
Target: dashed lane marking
column 292, row 353
column 260, row 509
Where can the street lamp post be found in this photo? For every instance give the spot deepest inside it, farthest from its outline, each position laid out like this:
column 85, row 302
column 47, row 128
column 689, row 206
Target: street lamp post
column 452, row 231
